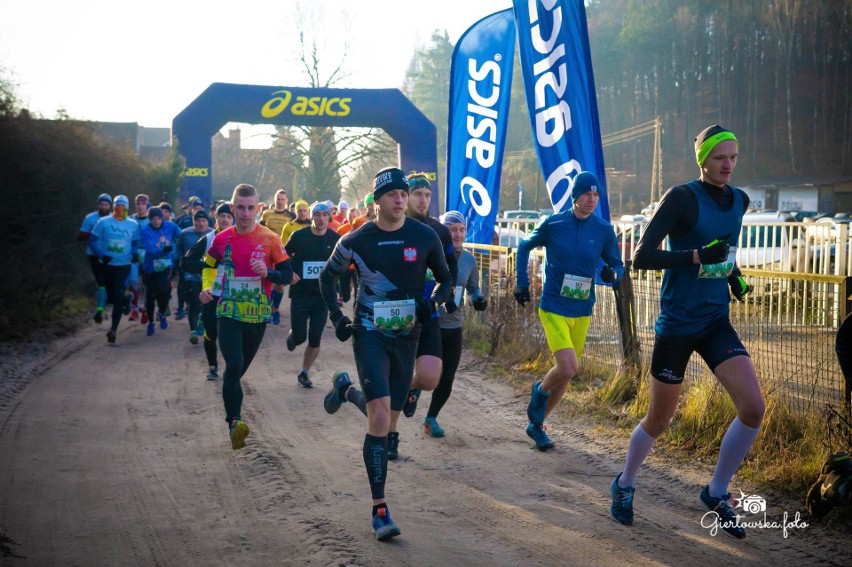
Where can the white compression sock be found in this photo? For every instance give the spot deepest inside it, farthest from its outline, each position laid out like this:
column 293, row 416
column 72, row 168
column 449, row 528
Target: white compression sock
column 734, row 448
column 640, row 445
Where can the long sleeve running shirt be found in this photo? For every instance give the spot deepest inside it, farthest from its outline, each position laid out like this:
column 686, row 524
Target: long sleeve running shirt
column 573, row 249
column 391, row 268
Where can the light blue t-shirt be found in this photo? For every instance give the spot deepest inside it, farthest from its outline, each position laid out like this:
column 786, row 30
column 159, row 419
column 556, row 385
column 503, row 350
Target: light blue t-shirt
column 88, row 226
column 117, row 239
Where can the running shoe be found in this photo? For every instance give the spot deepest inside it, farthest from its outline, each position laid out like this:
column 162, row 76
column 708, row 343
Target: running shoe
column 164, row 322
column 411, row 403
column 99, row 316
column 193, row 338
column 276, row 320
column 393, row 445
column 111, row 337
column 621, row 508
column 537, row 434
column 303, row 380
column 150, row 330
column 723, row 507
column 383, row 526
column 213, row 374
column 291, row 345
column 143, row 316
column 337, row 395
column 180, row 314
column 538, row 405
column 238, row 431
column 431, row 427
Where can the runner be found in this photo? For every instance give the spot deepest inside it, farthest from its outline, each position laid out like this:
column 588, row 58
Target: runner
column 467, row 283
column 342, row 212
column 391, row 255
column 158, row 240
column 575, row 240
column 427, row 369
column 89, row 222
column 300, row 219
column 702, row 219
column 253, row 259
column 137, row 288
column 193, row 261
column 115, row 240
column 308, row 251
column 187, row 221
column 192, row 281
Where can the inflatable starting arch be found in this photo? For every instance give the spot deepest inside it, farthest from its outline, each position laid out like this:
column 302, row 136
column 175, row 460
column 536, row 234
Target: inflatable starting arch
column 221, row 103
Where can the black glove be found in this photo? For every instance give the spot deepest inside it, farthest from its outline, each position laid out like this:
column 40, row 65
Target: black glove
column 522, row 295
column 167, row 248
column 425, row 310
column 106, row 259
column 714, row 253
column 607, row 274
column 480, row 303
column 450, row 305
column 342, row 326
column 739, row 287
column 134, row 259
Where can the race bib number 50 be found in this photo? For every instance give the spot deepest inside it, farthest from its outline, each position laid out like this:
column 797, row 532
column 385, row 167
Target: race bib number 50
column 394, row 315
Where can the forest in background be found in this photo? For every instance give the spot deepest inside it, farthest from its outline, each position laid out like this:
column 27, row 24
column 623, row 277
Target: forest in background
column 778, row 73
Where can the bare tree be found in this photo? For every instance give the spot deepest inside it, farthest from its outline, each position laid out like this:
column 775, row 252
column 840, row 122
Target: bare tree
column 325, row 158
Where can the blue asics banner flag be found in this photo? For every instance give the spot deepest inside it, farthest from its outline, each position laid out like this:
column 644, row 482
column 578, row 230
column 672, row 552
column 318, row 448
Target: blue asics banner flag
column 556, row 64
column 480, row 91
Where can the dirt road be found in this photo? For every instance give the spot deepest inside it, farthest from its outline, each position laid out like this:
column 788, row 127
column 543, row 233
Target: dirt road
column 120, row 456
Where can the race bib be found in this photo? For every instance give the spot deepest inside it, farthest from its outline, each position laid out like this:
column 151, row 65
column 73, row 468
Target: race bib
column 244, row 289
column 162, row 264
column 116, row 246
column 720, row 270
column 394, row 315
column 576, row 287
column 311, row 270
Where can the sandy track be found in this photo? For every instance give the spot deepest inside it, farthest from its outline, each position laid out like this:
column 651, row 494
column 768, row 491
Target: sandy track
column 119, row 456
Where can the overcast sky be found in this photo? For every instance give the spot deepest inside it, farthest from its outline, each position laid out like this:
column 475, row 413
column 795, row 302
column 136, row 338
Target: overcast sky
column 145, row 62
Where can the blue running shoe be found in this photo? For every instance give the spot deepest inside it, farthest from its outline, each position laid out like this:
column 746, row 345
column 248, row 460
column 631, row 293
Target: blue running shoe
column 150, row 330
column 723, row 507
column 164, row 322
column 238, row 432
column 383, row 526
column 621, row 508
column 537, row 434
column 393, row 445
column 431, row 427
column 538, row 405
column 335, row 397
column 180, row 314
column 276, row 317
column 214, row 373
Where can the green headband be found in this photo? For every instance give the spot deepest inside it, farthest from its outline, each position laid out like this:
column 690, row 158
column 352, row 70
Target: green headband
column 707, row 145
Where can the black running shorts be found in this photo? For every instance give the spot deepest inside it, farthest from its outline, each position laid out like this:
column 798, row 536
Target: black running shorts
column 715, row 345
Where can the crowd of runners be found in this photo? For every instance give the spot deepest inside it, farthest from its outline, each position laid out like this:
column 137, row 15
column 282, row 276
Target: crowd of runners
column 410, row 281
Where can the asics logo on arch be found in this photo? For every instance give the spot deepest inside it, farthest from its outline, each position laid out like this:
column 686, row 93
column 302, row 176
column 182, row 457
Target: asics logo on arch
column 305, row 106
